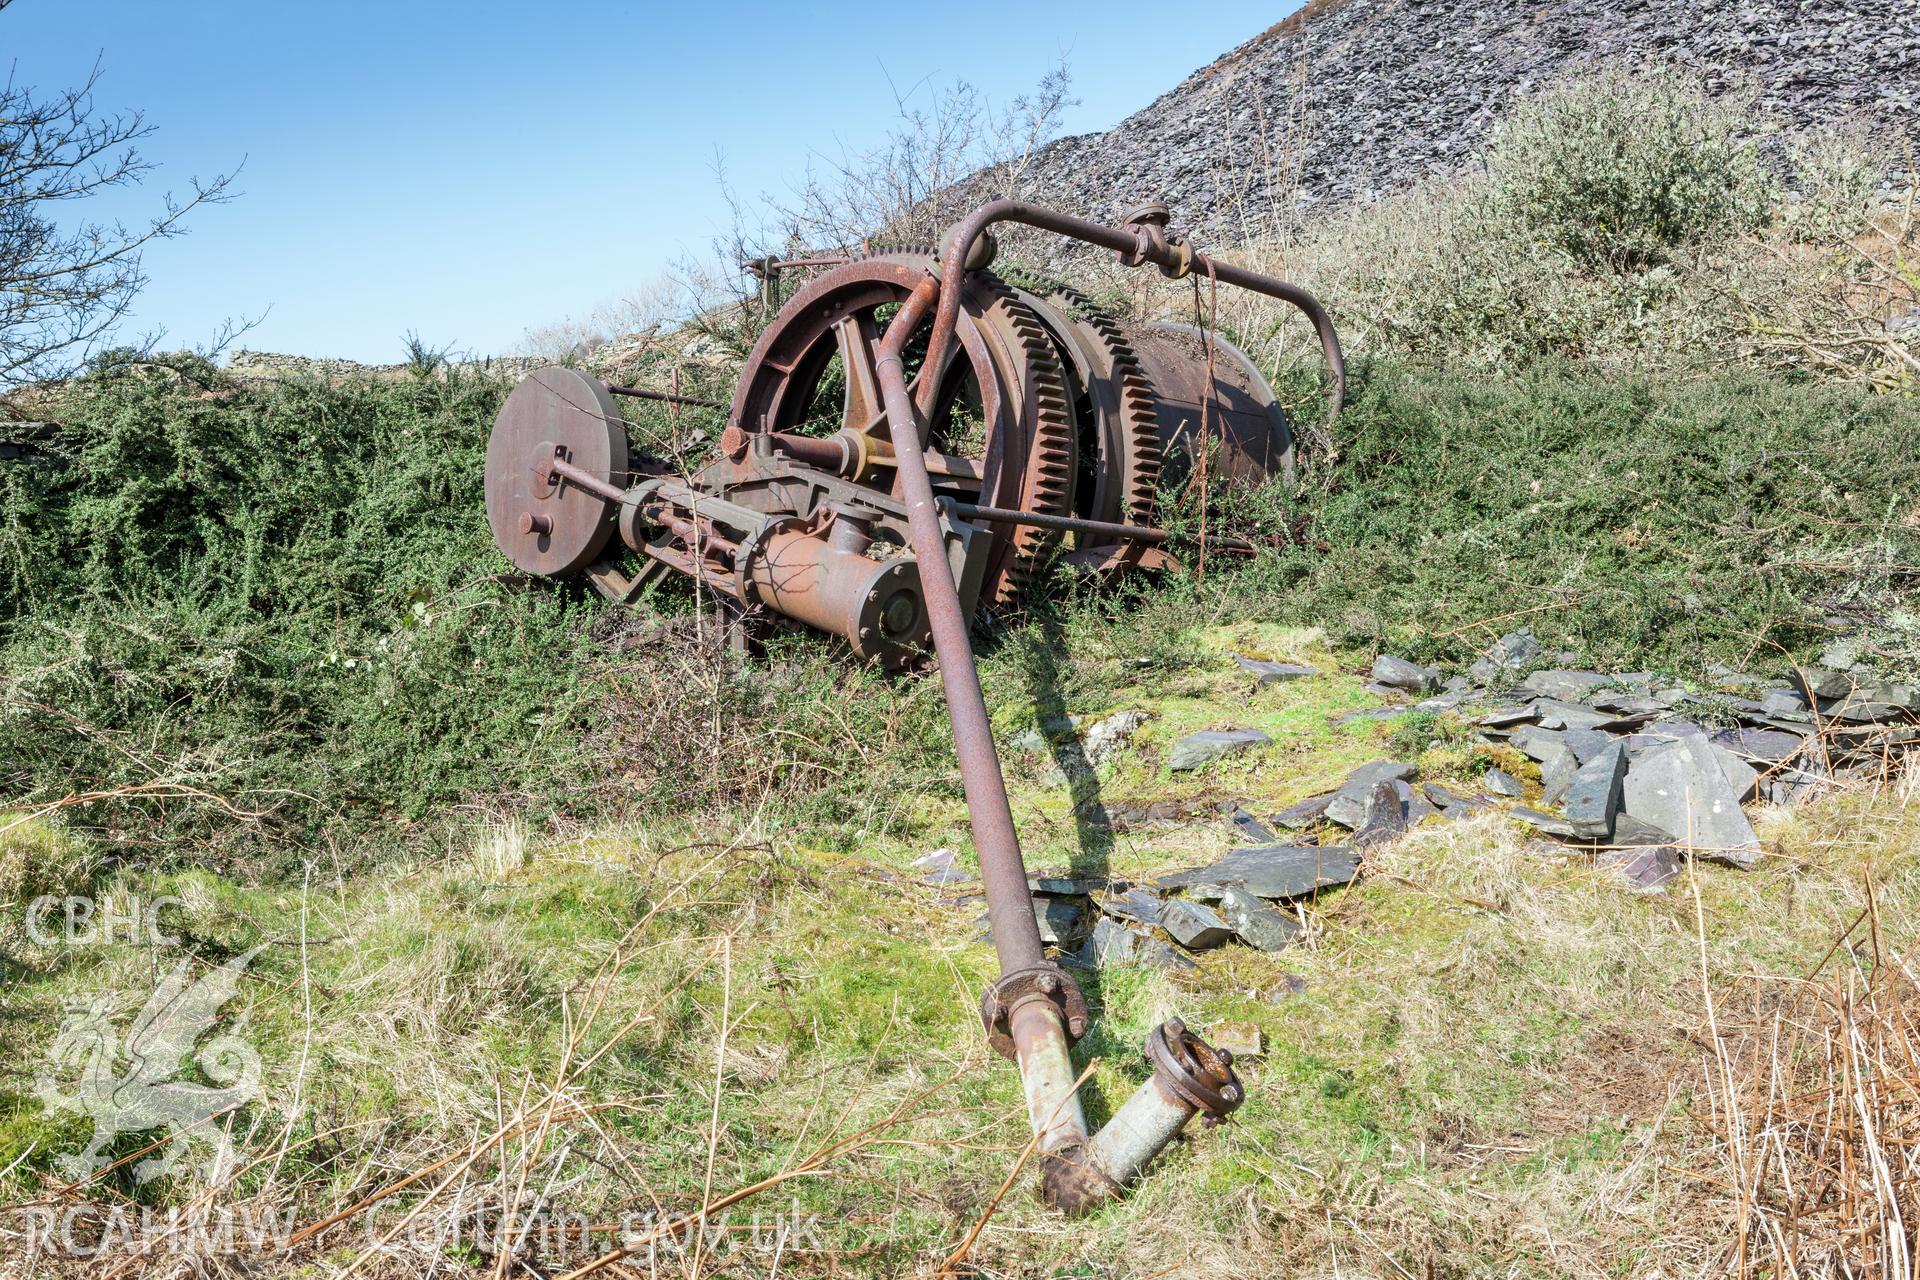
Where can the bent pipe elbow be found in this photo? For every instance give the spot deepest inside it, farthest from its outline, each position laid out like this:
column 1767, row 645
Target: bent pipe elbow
column 960, row 241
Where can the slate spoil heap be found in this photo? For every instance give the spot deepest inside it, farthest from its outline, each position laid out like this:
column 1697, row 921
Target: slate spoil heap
column 1351, row 99
column 1636, row 772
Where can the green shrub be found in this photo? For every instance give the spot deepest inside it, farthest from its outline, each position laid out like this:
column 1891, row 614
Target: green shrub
column 1625, row 172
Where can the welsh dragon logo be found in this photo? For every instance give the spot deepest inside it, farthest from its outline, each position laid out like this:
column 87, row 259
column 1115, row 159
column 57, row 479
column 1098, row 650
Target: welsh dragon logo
column 133, row 1085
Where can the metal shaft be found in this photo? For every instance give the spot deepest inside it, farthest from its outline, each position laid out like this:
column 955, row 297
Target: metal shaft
column 641, row 393
column 1074, row 524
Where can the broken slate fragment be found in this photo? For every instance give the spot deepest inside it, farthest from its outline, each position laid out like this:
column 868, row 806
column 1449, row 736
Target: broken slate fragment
column 1558, row 714
column 1594, row 796
column 1645, row 869
column 1061, row 922
column 1565, row 686
column 1113, row 943
column 1680, row 787
column 1386, row 814
column 1448, row 800
column 1193, row 925
column 1411, row 677
column 1629, row 830
column 1557, row 771
column 1275, row 871
column 1348, row 807
column 1248, row 825
column 1765, row 746
column 941, row 866
column 1203, row 748
column 1509, row 653
column 1537, row 743
column 1141, row 905
column 1507, row 716
column 1307, row 812
column 1542, row 821
column 1502, row 783
column 1265, row 673
column 1257, row 924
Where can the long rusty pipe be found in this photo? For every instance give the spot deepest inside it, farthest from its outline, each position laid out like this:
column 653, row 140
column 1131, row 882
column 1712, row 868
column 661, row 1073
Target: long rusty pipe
column 1125, row 241
column 1035, row 1002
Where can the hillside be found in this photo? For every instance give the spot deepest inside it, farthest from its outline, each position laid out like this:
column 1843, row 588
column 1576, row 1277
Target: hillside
column 1348, row 100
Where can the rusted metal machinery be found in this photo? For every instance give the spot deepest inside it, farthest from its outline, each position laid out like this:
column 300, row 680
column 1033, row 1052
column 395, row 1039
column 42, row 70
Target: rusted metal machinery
column 864, row 442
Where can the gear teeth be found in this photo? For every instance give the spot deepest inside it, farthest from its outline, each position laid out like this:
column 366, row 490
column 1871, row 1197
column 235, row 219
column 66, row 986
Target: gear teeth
column 1141, row 454
column 1052, row 451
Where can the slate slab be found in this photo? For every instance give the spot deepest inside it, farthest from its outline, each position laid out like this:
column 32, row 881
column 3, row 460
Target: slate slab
column 1558, row 714
column 1140, row 905
column 1785, row 702
column 1449, row 800
column 942, row 866
column 1502, row 783
column 1307, row 812
column 1645, row 870
column 1386, row 814
column 1348, row 807
column 1508, row 716
column 1410, row 677
column 1209, row 745
column 1536, row 743
column 1257, row 924
column 1265, row 673
column 1542, row 821
column 1247, row 824
column 1565, row 686
column 1275, row 871
column 1586, row 743
column 1557, row 771
column 1680, row 787
column 1113, row 943
column 1593, row 798
column 1767, row 746
column 1193, row 925
column 1508, row 654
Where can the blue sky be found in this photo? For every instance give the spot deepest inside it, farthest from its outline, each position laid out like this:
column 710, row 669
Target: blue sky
column 473, row 170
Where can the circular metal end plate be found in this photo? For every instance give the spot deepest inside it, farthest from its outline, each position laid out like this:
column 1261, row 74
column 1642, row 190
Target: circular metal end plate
column 554, row 528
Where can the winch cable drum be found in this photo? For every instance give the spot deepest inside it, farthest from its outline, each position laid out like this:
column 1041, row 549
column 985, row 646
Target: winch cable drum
column 859, row 449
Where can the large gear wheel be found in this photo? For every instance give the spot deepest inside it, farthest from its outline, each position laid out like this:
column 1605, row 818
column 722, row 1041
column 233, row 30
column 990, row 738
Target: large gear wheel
column 1120, row 456
column 1001, row 426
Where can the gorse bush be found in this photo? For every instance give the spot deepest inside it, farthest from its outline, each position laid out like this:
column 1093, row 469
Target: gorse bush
column 243, row 620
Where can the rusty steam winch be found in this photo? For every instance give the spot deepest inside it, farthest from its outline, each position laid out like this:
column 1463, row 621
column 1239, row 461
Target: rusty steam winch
column 899, row 413
column 1047, row 417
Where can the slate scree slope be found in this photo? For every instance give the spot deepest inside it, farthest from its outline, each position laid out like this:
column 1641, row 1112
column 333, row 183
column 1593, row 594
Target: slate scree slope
column 1348, row 100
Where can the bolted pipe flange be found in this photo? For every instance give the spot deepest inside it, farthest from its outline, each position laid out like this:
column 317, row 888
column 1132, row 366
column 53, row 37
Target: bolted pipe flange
column 1045, row 981
column 1187, row 1069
